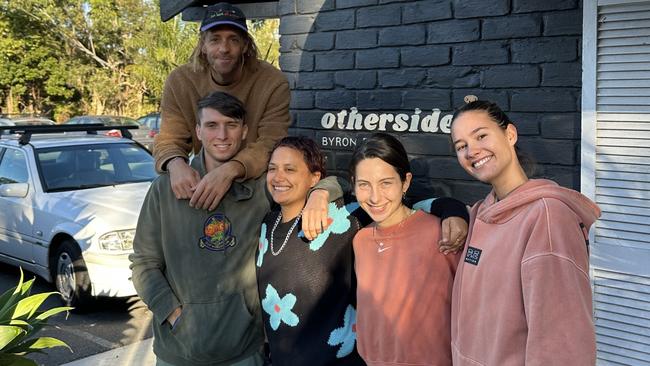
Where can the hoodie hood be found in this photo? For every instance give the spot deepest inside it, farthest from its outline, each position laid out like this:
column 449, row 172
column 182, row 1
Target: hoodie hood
column 497, row 212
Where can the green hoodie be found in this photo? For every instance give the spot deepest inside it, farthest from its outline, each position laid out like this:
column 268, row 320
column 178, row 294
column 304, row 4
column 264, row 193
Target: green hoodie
column 203, row 261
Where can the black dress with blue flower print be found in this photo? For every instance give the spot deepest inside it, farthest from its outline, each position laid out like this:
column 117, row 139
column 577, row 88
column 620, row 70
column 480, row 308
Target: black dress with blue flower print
column 308, row 290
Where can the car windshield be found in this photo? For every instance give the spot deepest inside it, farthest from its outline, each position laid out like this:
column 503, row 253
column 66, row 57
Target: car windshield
column 117, row 121
column 89, row 166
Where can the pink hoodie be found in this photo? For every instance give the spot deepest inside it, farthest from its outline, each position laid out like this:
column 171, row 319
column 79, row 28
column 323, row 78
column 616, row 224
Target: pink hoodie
column 522, row 293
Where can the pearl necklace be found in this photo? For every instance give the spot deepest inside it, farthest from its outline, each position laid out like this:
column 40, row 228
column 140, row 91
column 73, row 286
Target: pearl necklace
column 286, row 238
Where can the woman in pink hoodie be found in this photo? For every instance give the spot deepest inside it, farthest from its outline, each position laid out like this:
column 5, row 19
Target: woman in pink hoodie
column 522, row 293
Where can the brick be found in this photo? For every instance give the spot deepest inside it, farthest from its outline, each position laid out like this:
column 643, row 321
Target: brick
column 335, row 20
column 469, row 191
column 426, row 100
column 563, row 23
column 302, row 99
column 315, row 80
column 442, row 167
column 483, row 53
column 378, row 100
column 427, row 143
column 356, row 79
column 513, row 26
column 344, row 4
column 508, row 76
column 453, row 77
column 291, row 78
column 525, row 6
column 307, row 42
column 314, row 6
column 566, row 176
column 500, row 97
column 562, row 74
column 548, row 151
column 424, row 188
column 295, row 62
column 301, row 132
column 334, row 60
column 544, row 50
column 527, row 123
column 296, row 24
column 308, row 119
column 425, row 56
column 546, row 100
column 286, row 7
column 379, row 16
column 426, row 11
column 401, row 78
column 357, row 38
column 448, row 31
column 377, row 58
column 336, row 100
column 480, row 8
column 402, row 35
column 561, row 126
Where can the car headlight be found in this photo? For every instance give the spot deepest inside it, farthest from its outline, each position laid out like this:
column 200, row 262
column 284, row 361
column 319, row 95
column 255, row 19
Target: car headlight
column 117, row 240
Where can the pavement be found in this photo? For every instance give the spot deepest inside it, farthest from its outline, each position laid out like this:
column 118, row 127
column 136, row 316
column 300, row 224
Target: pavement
column 138, row 353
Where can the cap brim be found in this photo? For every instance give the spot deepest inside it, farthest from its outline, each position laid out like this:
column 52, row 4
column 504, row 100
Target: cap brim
column 223, row 22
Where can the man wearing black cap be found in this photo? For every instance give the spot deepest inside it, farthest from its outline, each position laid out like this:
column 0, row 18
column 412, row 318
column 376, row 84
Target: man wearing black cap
column 224, row 59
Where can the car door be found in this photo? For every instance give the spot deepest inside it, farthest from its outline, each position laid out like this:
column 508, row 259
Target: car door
column 16, row 213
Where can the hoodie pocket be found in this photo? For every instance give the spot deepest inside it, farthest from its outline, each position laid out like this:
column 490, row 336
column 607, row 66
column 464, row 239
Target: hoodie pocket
column 216, row 331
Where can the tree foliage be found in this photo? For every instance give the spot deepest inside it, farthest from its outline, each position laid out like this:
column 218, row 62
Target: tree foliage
column 68, row 57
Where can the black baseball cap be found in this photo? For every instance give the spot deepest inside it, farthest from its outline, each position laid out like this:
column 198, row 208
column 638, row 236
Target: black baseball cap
column 223, row 13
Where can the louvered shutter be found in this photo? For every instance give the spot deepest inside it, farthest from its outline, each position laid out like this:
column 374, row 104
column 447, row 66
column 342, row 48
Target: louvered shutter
column 616, row 174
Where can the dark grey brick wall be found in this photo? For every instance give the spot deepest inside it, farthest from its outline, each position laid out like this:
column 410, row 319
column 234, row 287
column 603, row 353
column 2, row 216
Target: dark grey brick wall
column 364, row 64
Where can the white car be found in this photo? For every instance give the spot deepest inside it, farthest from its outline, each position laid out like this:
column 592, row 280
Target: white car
column 69, row 204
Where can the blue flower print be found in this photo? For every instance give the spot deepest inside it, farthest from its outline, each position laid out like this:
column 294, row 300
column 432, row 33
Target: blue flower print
column 346, row 336
column 279, row 309
column 263, row 245
column 339, row 223
column 424, row 205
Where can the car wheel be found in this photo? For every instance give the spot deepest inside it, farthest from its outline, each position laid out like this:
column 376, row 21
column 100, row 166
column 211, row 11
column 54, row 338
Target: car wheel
column 70, row 275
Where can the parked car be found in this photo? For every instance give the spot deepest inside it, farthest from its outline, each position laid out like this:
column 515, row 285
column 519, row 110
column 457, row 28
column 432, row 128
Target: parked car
column 69, row 204
column 140, row 135
column 152, row 123
column 26, row 121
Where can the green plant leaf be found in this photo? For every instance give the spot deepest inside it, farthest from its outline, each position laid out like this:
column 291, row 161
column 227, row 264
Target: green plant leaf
column 46, row 314
column 9, row 333
column 21, row 291
column 15, row 360
column 36, row 344
column 29, row 305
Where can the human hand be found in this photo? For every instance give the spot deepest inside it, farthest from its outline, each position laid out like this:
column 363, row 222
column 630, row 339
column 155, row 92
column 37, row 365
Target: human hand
column 314, row 214
column 183, row 178
column 214, row 185
column 454, row 233
column 173, row 317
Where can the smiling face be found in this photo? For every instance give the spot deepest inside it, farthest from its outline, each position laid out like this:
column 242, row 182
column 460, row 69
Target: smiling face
column 224, row 48
column 221, row 136
column 289, row 180
column 485, row 150
column 379, row 190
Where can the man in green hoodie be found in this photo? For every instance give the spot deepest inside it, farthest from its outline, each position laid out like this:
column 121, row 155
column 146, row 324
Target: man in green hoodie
column 194, row 268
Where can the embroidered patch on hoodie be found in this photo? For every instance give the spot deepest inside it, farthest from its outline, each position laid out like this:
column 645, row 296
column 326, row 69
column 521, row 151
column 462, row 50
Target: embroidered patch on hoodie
column 473, row 255
column 217, row 233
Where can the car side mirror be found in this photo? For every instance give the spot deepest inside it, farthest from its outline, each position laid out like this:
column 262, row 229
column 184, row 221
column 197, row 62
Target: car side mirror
column 14, row 190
